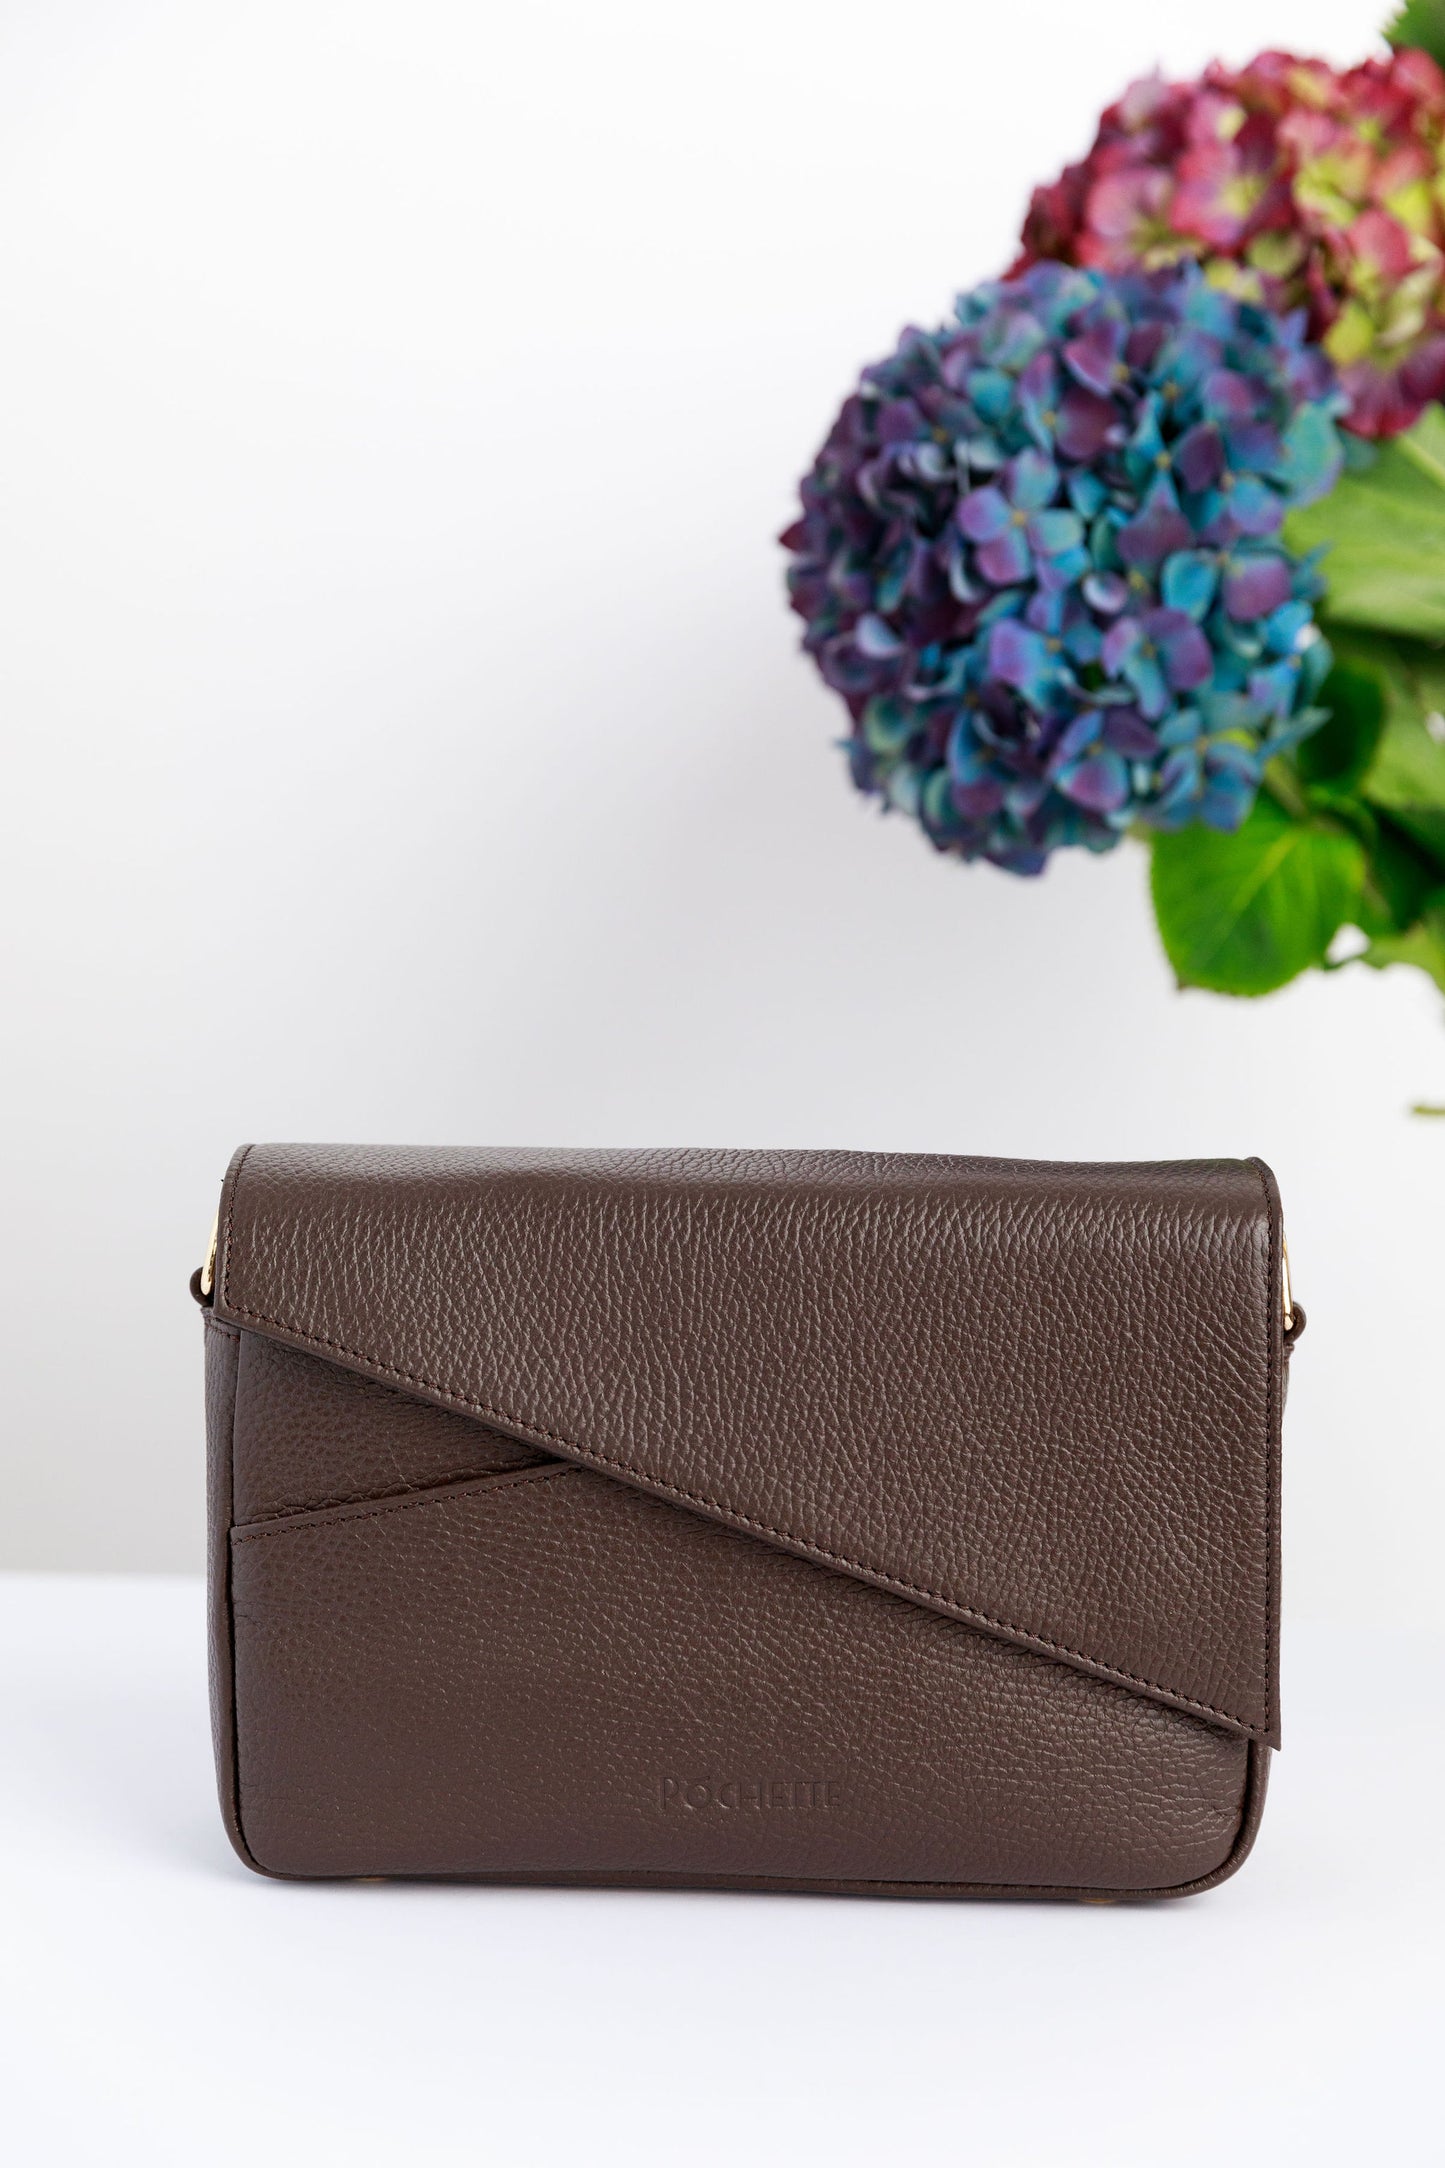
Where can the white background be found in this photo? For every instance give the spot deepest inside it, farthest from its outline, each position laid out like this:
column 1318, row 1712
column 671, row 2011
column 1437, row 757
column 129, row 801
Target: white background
column 405, row 740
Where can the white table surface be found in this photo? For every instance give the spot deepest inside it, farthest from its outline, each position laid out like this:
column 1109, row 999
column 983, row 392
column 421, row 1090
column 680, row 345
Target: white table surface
column 159, row 2004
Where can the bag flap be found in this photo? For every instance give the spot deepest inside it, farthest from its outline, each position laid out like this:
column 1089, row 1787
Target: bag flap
column 1043, row 1399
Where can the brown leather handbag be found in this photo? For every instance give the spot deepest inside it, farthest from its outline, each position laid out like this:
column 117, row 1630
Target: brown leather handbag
column 768, row 1520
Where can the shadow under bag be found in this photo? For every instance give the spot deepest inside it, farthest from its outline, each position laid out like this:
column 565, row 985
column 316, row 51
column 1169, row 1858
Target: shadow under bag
column 779, row 1520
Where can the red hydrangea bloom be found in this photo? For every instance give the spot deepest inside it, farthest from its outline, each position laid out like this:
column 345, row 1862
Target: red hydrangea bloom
column 1294, row 185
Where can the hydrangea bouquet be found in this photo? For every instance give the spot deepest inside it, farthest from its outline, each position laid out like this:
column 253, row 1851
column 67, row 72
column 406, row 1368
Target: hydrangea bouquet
column 1150, row 537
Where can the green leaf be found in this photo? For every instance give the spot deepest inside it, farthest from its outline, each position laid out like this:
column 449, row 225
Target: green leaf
column 1422, row 23
column 1383, row 531
column 1245, row 913
column 1422, row 944
column 1340, row 751
column 1377, row 767
column 1400, row 878
column 1406, row 774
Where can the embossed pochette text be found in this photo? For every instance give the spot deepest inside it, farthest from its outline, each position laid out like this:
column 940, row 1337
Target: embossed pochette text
column 747, row 1795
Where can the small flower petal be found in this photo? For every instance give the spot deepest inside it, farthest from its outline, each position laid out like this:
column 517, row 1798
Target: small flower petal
column 1199, row 456
column 1254, row 507
column 1181, row 647
column 1188, row 580
column 877, row 641
column 1099, row 781
column 1155, row 534
column 1255, row 586
column 1121, row 640
column 1094, row 360
column 1031, row 481
column 1086, row 423
column 1021, row 658
column 984, row 514
column 1007, row 560
column 1126, row 732
column 1106, row 592
column 1054, row 532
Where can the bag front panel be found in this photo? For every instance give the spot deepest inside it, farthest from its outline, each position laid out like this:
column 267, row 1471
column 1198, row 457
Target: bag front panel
column 528, row 1669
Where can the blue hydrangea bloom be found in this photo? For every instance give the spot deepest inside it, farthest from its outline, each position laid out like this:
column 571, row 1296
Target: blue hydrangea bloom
column 1039, row 558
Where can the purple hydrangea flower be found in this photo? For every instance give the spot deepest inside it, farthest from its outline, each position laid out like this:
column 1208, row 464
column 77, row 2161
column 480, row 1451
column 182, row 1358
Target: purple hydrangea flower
column 1039, row 558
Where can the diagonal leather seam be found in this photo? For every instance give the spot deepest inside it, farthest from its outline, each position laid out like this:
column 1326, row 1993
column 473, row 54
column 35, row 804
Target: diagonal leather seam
column 376, row 1509
column 593, row 1456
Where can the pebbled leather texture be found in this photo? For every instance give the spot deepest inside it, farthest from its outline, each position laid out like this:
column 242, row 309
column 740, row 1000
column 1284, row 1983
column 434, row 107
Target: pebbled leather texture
column 818, row 1520
column 319, row 1436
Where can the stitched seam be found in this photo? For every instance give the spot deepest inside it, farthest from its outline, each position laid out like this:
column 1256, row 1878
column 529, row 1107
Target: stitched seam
column 1273, row 1283
column 230, row 1214
column 742, row 1520
column 335, row 1516
column 234, row 1726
